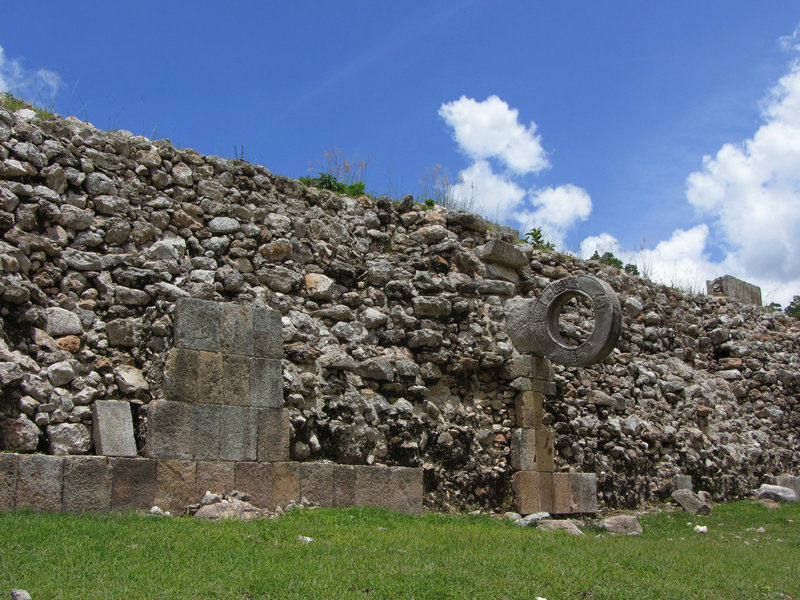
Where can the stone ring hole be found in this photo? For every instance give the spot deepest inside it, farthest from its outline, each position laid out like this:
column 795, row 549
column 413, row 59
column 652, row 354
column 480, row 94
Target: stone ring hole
column 562, row 307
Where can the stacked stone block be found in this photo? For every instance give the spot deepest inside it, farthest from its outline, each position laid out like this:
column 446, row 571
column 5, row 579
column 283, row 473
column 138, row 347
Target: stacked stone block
column 222, row 386
column 537, row 488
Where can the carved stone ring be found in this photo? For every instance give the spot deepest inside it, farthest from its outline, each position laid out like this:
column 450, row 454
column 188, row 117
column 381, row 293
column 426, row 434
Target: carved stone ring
column 607, row 321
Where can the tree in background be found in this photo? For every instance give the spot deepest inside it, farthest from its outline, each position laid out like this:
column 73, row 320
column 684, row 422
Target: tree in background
column 793, row 309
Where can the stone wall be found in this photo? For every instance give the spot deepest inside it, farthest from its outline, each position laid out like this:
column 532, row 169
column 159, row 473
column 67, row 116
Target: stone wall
column 394, row 336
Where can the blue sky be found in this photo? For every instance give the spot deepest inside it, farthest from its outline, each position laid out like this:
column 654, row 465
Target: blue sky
column 589, row 119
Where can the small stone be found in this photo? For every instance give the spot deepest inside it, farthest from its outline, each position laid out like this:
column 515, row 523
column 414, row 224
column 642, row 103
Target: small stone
column 61, row 373
column 20, row 595
column 62, row 322
column 622, row 524
column 19, row 435
column 532, row 519
column 130, row 380
column 691, row 502
column 222, row 225
column 701, row 528
column 559, row 525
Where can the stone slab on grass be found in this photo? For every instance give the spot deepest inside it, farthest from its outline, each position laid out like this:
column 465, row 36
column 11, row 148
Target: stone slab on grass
column 273, row 435
column 112, row 428
column 8, row 480
column 176, row 485
column 39, row 482
column 133, row 483
column 87, row 484
column 269, row 484
column 214, row 476
column 344, row 486
column 316, row 483
column 406, row 490
column 691, row 502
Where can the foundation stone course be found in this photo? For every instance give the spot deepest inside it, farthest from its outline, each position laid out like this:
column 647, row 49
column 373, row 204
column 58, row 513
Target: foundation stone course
column 87, row 484
column 133, row 483
column 8, row 480
column 39, row 482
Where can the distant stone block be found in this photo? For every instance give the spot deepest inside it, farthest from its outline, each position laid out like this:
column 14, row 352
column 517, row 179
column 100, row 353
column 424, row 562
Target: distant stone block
column 734, row 288
column 588, row 493
column 238, row 440
column 214, row 476
column 529, row 409
column 267, row 342
column 266, row 383
column 683, row 482
column 87, row 484
column 501, row 253
column 344, row 486
column 789, row 481
column 197, row 324
column 236, row 329
column 8, row 480
column 39, row 482
column 273, row 435
column 133, row 483
column 406, row 490
column 176, row 485
column 531, row 450
column 269, row 484
column 169, row 430
column 373, row 485
column 112, row 428
column 316, row 483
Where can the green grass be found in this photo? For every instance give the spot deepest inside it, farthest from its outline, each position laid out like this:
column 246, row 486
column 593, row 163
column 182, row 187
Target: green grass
column 371, row 553
column 12, row 103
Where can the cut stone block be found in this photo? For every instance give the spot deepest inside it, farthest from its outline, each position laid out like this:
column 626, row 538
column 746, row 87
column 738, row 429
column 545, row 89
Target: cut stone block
column 344, row 486
column 197, row 324
column 545, row 479
column 176, row 485
column 548, row 388
column 691, row 502
column 87, row 484
column 373, row 485
column 525, row 485
column 588, row 493
column 204, row 437
column 531, row 450
column 269, row 484
column 790, row 482
column 217, row 477
column 316, row 483
column 234, row 387
column 193, row 376
column 169, row 429
column 529, row 409
column 267, row 342
column 112, row 428
column 266, row 383
column 8, row 480
column 406, row 490
column 236, row 329
column 239, row 433
column 133, row 483
column 542, row 368
column 565, row 502
column 39, row 482
column 273, row 434
column 682, row 482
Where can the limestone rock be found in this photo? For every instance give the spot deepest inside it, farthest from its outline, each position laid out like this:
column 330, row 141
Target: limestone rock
column 69, row 438
column 691, row 502
column 559, row 525
column 777, row 493
column 621, row 524
column 19, row 435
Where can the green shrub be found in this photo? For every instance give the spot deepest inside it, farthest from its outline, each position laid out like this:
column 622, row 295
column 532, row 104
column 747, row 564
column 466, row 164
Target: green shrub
column 327, row 181
column 535, row 238
column 793, row 309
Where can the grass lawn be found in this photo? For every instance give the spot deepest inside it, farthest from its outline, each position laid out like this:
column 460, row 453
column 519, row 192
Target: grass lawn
column 372, row 553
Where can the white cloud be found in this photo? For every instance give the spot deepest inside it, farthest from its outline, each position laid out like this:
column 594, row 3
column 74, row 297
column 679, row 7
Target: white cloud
column 487, row 193
column 555, row 210
column 39, row 86
column 490, row 129
column 751, row 191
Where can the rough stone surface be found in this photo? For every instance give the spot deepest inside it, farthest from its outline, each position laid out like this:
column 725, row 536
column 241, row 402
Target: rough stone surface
column 20, row 434
column 214, row 475
column 273, row 435
column 39, row 482
column 621, row 524
column 8, row 480
column 175, row 485
column 559, row 525
column 69, row 438
column 87, row 484
column 691, row 502
column 777, row 493
column 112, row 428
column 133, row 483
